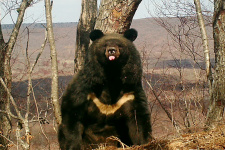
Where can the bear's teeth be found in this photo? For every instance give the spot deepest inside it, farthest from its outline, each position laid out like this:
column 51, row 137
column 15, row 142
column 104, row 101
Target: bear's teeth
column 112, row 57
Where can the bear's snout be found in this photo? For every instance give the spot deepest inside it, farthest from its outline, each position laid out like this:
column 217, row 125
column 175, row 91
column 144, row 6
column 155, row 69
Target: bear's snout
column 112, row 52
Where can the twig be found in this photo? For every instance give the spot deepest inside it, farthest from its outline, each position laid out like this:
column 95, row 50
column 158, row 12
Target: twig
column 39, row 54
column 7, row 139
column 178, row 129
column 19, row 116
column 38, row 117
column 117, row 139
column 12, row 100
column 9, row 113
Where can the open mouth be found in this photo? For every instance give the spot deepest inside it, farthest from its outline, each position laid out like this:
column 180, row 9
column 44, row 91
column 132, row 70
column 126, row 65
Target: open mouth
column 112, row 58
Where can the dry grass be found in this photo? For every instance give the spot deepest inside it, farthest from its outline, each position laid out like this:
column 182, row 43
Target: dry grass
column 207, row 140
column 204, row 140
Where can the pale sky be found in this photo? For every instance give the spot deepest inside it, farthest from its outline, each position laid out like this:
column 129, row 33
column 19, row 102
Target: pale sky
column 63, row 11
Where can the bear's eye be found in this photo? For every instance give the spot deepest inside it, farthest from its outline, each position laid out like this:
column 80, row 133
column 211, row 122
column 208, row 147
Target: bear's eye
column 120, row 45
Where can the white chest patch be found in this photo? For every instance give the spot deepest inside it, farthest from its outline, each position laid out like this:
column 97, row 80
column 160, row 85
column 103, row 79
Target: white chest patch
column 110, row 109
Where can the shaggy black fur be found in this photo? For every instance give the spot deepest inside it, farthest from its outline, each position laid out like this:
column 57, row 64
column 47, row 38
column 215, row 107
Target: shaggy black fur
column 112, row 69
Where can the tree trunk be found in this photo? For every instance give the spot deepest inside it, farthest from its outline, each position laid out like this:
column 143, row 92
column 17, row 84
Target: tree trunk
column 4, row 103
column 217, row 99
column 85, row 26
column 116, row 15
column 54, row 65
column 205, row 43
column 5, row 72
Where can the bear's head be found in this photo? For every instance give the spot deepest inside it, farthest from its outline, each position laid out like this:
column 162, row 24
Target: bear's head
column 112, row 48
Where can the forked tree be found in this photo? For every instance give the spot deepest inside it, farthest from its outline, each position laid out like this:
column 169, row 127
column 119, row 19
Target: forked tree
column 113, row 16
column 116, row 16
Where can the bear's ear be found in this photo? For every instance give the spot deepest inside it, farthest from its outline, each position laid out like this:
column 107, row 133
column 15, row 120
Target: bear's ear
column 131, row 34
column 96, row 34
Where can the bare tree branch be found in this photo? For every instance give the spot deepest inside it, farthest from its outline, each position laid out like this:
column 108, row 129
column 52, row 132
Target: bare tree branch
column 15, row 32
column 177, row 127
column 12, row 99
column 5, row 69
column 41, row 50
column 54, row 88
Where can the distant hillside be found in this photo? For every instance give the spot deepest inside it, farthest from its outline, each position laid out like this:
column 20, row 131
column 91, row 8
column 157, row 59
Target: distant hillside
column 41, row 25
column 154, row 43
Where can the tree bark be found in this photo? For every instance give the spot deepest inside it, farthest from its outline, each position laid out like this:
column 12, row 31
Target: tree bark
column 54, row 65
column 4, row 103
column 217, row 99
column 205, row 43
column 116, row 15
column 5, row 72
column 85, row 26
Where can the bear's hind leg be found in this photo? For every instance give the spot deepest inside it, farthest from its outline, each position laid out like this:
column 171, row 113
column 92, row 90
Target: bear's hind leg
column 70, row 139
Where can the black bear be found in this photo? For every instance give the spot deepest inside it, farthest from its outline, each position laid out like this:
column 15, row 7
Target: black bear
column 106, row 98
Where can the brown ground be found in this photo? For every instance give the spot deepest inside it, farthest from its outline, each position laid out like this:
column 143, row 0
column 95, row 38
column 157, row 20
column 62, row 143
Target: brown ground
column 209, row 140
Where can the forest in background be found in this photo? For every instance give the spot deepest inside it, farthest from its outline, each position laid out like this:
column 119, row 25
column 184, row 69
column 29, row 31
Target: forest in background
column 180, row 90
column 182, row 84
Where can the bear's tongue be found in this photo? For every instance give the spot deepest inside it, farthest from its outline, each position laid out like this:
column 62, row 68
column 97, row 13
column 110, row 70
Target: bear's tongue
column 112, row 58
